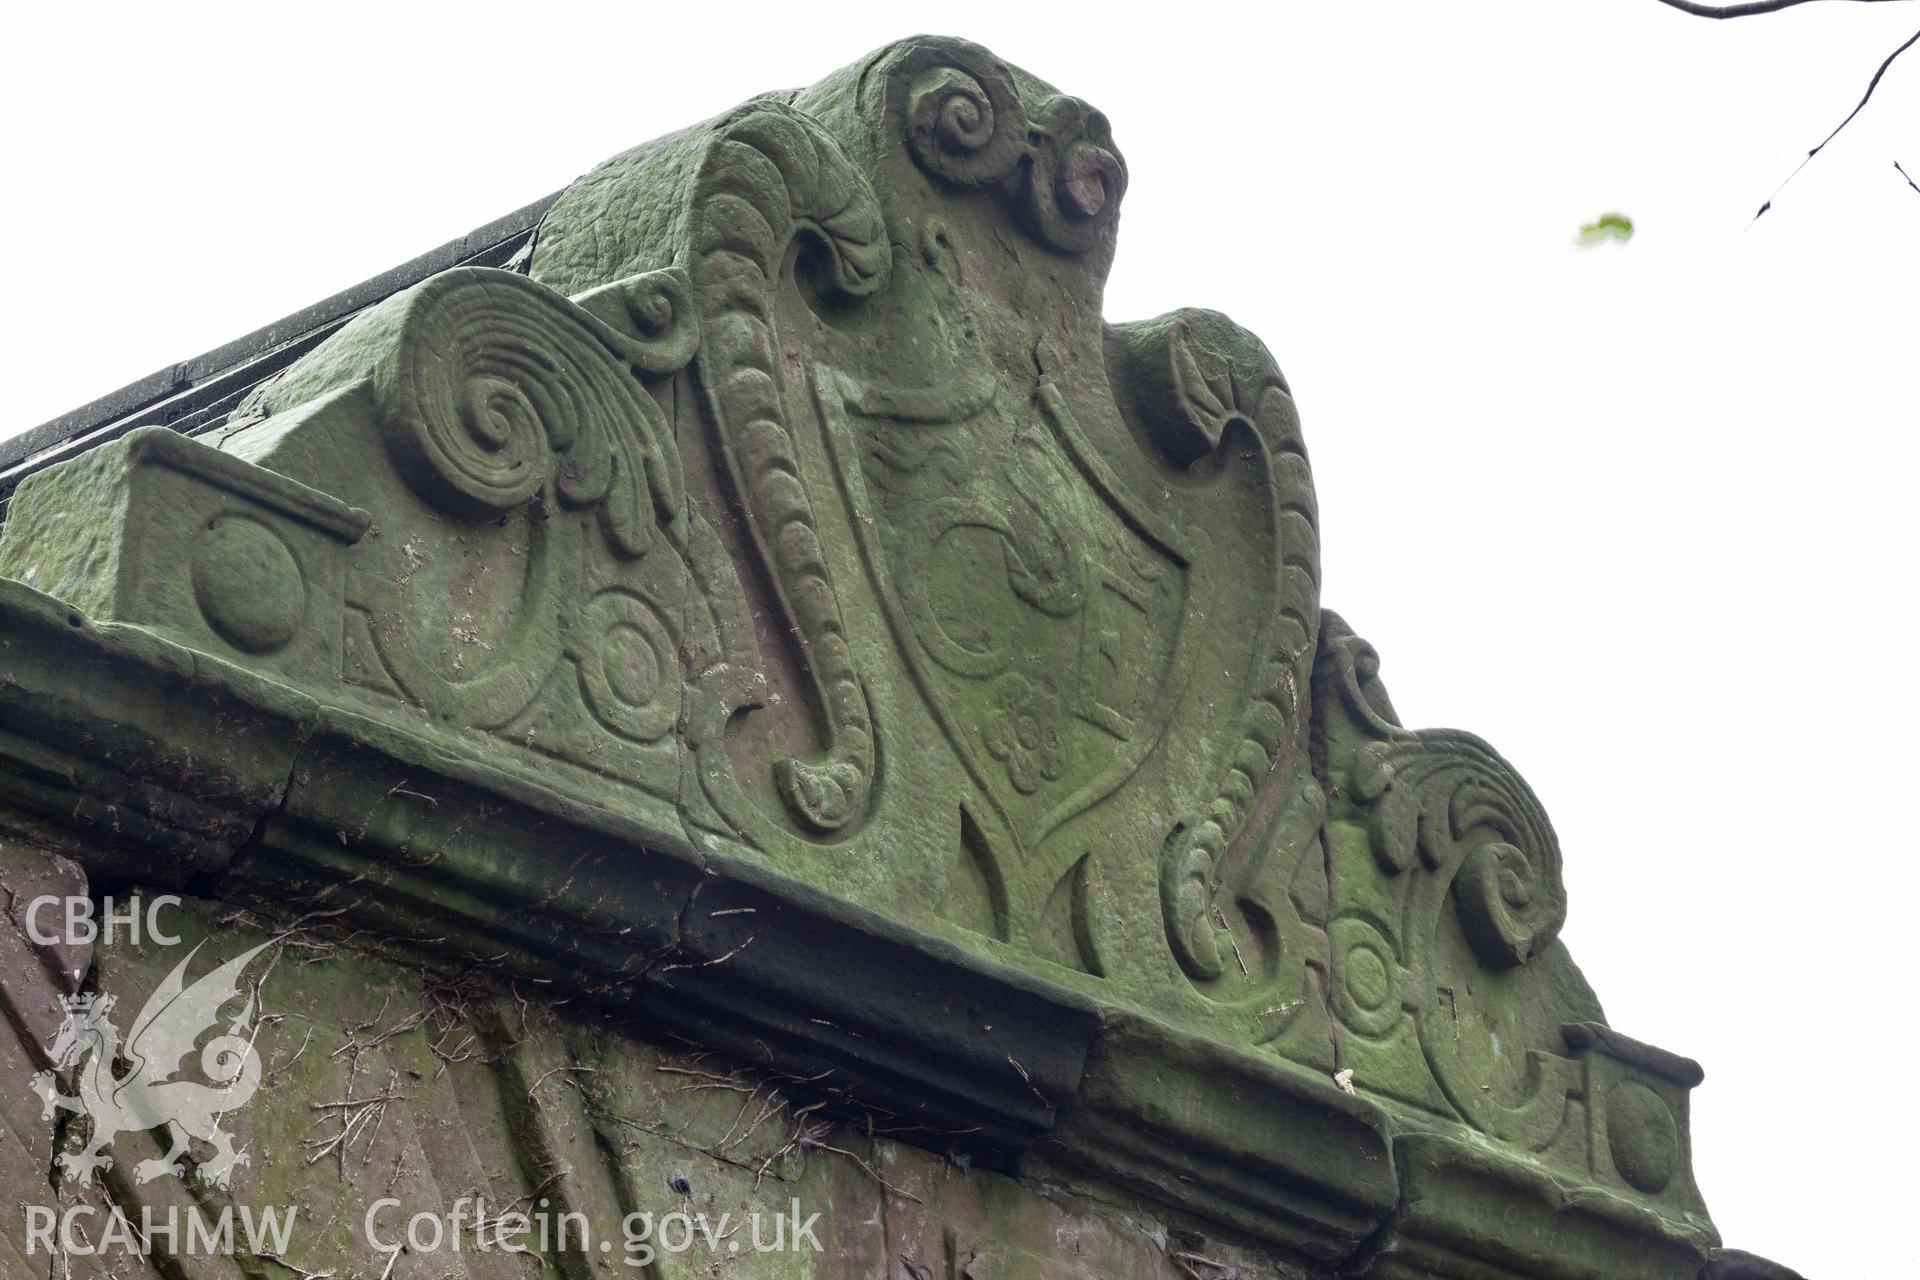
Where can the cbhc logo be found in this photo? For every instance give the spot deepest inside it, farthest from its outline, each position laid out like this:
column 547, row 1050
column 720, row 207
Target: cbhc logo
column 115, row 920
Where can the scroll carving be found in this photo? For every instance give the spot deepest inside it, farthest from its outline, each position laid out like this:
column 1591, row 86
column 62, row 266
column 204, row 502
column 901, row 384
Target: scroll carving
column 965, row 123
column 1209, row 389
column 495, row 387
column 502, row 403
column 771, row 180
column 1450, row 829
column 1443, row 801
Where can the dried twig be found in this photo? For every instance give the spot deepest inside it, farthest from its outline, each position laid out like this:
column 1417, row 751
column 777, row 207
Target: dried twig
column 772, row 1103
column 709, row 1080
column 298, row 1270
column 842, row 1151
column 536, row 1193
column 356, row 1115
column 1030, row 1084
column 274, row 1075
column 1220, row 918
column 704, row 964
column 534, row 1087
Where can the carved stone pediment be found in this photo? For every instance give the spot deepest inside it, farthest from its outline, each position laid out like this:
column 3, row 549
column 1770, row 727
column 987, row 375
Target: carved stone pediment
column 789, row 505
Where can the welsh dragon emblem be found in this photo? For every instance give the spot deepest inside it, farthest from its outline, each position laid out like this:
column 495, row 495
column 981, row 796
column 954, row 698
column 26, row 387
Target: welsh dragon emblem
column 147, row 1095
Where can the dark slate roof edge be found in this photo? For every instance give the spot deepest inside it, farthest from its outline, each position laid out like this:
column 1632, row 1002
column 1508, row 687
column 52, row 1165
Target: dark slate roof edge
column 146, row 392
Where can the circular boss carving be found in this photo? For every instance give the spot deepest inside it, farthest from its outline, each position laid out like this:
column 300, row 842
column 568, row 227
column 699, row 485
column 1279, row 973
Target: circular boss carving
column 1367, row 991
column 247, row 584
column 1642, row 1136
column 629, row 668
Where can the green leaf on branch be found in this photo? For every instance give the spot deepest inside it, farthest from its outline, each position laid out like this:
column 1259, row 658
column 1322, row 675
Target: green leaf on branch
column 1616, row 228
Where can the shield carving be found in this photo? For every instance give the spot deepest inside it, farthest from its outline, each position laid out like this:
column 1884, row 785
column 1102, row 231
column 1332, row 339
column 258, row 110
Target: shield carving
column 1039, row 605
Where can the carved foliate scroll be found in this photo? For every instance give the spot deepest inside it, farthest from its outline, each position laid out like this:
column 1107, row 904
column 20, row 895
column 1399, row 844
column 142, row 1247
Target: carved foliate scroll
column 1455, row 846
column 1207, row 388
column 535, row 548
column 966, row 122
column 770, row 183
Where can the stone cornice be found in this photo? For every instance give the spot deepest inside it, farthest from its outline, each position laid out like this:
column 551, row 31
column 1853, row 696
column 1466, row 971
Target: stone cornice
column 316, row 804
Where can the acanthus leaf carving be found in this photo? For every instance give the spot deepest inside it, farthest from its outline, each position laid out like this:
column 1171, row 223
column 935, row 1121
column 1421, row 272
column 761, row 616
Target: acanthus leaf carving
column 489, row 387
column 1445, row 801
column 496, row 387
column 1451, row 830
column 1208, row 389
column 524, row 418
column 770, row 178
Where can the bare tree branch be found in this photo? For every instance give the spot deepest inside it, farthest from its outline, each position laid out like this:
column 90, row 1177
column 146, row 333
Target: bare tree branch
column 1858, row 107
column 1907, row 176
column 1865, row 97
column 1747, row 10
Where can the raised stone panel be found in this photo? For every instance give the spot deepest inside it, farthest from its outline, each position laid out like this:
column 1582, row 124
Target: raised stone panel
column 229, row 558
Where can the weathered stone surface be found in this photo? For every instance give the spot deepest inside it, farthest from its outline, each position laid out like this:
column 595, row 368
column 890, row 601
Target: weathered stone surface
column 778, row 610
column 37, row 980
column 1734, row 1264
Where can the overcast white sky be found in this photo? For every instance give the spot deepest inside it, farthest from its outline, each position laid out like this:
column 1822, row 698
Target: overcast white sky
column 1640, row 517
